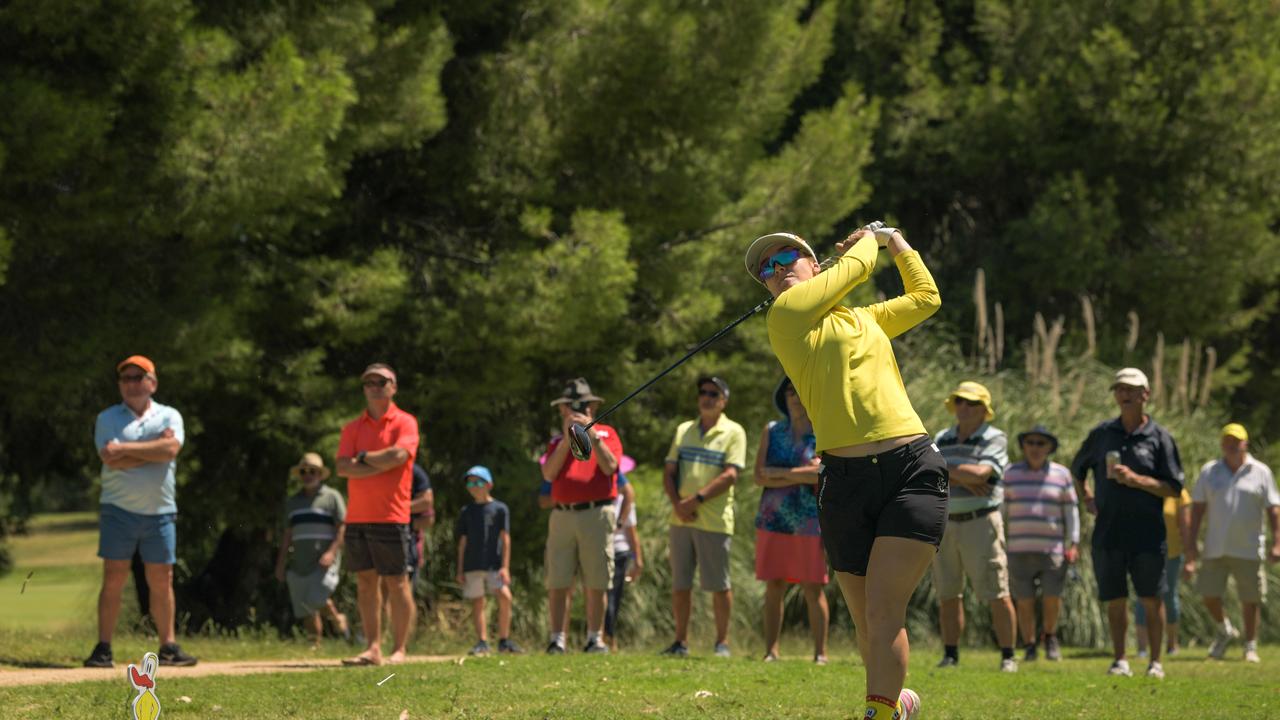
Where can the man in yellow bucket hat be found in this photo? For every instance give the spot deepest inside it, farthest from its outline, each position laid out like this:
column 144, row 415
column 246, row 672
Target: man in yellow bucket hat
column 973, row 544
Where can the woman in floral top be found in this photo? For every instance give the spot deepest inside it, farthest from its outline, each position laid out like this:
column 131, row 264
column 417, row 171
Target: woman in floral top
column 788, row 542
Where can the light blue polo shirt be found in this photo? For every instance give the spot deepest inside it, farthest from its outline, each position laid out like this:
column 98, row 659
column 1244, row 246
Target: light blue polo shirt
column 148, row 489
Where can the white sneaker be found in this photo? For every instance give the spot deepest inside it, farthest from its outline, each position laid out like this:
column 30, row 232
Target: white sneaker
column 910, row 703
column 1154, row 670
column 1225, row 635
column 1251, row 655
column 722, row 650
column 1120, row 667
column 1009, row 665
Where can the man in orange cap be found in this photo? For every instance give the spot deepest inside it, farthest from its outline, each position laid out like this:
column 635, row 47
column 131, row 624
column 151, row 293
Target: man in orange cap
column 138, row 441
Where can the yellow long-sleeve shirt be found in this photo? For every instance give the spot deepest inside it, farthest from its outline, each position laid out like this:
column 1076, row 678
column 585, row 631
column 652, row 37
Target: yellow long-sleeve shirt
column 840, row 359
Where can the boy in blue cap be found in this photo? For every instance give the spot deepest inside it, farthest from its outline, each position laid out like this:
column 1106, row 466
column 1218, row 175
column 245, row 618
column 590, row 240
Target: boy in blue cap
column 483, row 532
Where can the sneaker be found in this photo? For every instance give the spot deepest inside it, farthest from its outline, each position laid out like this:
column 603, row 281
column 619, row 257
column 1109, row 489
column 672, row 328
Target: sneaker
column 948, row 662
column 171, row 654
column 1031, row 653
column 1120, row 667
column 100, row 657
column 771, row 656
column 1142, row 653
column 596, row 647
column 1155, row 670
column 1225, row 635
column 909, row 701
column 1009, row 665
column 480, row 649
column 1251, row 655
column 819, row 659
column 555, row 648
column 1051, row 649
column 1172, row 651
column 722, row 650
column 506, row 646
column 677, row 649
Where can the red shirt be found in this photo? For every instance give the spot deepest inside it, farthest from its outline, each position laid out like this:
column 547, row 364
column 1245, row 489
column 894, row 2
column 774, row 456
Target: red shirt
column 384, row 497
column 580, row 481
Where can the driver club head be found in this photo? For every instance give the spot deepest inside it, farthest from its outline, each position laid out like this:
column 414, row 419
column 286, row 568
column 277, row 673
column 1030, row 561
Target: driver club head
column 579, row 442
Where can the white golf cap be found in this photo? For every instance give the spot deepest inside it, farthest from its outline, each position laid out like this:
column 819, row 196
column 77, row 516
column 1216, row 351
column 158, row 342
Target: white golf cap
column 1131, row 376
column 755, row 253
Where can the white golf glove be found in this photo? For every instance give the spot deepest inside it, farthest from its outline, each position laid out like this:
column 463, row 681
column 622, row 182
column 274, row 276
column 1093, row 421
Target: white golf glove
column 883, row 232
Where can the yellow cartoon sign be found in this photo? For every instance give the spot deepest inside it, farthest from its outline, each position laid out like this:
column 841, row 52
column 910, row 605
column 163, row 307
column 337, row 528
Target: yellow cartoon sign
column 146, row 706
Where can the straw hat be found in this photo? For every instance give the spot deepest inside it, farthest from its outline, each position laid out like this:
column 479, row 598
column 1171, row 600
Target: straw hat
column 310, row 460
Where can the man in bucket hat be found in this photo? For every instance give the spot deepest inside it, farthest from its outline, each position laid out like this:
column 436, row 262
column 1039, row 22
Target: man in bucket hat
column 973, row 544
column 310, row 549
column 583, row 517
column 1044, row 534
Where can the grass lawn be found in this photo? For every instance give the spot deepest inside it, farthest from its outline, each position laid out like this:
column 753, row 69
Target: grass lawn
column 643, row 685
column 59, row 556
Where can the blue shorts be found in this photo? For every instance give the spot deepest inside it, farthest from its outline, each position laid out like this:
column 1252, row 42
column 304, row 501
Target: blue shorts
column 120, row 532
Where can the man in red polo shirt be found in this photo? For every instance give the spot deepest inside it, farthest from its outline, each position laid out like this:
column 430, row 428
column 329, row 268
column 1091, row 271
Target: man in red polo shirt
column 583, row 517
column 376, row 456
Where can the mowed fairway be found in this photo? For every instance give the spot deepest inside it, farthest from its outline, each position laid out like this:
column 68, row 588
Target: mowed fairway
column 57, row 561
column 643, row 685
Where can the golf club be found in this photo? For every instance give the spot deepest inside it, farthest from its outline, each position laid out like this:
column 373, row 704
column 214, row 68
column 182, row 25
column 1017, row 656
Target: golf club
column 580, row 440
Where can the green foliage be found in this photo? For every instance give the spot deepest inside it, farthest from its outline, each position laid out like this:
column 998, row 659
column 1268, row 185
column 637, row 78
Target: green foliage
column 264, row 197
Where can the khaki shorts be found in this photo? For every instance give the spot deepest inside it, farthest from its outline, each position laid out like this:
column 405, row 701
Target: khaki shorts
column 581, row 539
column 974, row 548
column 708, row 551
column 1251, row 579
column 475, row 582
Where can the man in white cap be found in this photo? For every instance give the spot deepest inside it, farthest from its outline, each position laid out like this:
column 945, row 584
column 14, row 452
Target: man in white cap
column 1135, row 466
column 376, row 455
column 1235, row 492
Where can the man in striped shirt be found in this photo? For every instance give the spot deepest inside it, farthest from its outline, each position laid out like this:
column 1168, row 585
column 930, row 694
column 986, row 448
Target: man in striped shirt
column 973, row 544
column 1044, row 534
column 310, row 551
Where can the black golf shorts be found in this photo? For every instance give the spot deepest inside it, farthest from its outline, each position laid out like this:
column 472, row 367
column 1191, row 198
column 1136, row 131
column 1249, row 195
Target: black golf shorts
column 899, row 493
column 1114, row 568
column 378, row 546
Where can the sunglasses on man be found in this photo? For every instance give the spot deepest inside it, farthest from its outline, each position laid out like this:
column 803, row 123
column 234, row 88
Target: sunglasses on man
column 310, row 471
column 476, row 483
column 783, row 258
column 376, row 382
column 132, row 378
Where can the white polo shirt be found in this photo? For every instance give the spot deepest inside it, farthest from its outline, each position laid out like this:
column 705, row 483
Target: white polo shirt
column 1237, row 505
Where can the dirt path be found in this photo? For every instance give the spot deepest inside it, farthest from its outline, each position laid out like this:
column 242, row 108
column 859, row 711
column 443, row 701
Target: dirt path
column 15, row 678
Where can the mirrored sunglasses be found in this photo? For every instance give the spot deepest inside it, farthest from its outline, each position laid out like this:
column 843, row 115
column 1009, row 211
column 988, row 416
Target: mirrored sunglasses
column 476, row 483
column 782, row 257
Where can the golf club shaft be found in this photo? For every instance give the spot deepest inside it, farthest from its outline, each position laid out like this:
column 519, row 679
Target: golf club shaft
column 681, row 361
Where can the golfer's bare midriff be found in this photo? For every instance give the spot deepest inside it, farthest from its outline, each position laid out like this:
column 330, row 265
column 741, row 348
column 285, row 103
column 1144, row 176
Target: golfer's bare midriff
column 872, row 448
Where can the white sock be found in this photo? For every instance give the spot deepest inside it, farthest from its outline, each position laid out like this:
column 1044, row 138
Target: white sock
column 557, row 638
column 593, row 637
column 1251, row 645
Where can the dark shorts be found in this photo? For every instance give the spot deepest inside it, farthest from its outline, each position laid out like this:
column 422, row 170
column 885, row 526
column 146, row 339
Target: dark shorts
column 1114, row 568
column 899, row 493
column 379, row 546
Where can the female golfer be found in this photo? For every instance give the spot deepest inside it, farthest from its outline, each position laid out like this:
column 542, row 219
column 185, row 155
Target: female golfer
column 882, row 488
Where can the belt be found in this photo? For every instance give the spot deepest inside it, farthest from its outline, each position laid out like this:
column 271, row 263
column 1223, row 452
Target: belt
column 963, row 517
column 584, row 505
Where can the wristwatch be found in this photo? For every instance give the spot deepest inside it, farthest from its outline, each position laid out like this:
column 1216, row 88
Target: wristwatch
column 699, row 498
column 360, row 457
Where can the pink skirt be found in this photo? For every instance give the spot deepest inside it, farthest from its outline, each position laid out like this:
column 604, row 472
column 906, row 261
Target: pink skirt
column 794, row 558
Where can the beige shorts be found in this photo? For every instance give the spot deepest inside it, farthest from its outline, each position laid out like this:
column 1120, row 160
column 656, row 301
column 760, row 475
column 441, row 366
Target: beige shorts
column 1251, row 578
column 705, row 550
column 974, row 548
column 477, row 582
column 581, row 539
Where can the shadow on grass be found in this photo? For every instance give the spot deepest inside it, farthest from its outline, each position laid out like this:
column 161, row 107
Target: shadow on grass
column 61, row 525
column 29, row 664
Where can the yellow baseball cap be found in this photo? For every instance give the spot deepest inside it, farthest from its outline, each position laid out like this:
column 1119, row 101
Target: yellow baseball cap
column 976, row 392
column 1235, row 430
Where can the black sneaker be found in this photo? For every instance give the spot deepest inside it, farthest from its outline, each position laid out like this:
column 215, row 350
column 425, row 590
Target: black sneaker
column 555, row 649
column 172, row 655
column 948, row 662
column 677, row 649
column 481, row 649
column 100, row 657
column 1031, row 654
column 506, row 646
column 596, row 647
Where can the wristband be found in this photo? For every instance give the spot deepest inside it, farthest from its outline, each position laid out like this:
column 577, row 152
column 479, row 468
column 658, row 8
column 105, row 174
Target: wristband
column 360, row 457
